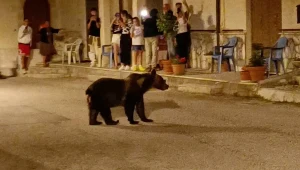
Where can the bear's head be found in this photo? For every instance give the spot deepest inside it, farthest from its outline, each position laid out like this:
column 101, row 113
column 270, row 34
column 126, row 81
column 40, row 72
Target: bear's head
column 159, row 83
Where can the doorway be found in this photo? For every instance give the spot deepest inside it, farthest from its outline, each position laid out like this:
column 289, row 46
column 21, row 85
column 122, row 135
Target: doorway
column 266, row 19
column 158, row 4
column 37, row 11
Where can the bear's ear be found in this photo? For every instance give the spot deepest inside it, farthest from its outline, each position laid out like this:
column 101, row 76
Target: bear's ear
column 153, row 72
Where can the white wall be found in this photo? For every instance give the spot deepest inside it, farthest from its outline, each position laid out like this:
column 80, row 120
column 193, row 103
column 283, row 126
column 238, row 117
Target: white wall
column 289, row 14
column 234, row 12
column 204, row 13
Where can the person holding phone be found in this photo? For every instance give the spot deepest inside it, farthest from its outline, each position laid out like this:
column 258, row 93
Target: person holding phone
column 94, row 23
column 116, row 30
column 25, row 40
column 125, row 43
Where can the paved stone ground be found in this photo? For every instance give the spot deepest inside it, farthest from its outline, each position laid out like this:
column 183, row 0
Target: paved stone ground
column 44, row 125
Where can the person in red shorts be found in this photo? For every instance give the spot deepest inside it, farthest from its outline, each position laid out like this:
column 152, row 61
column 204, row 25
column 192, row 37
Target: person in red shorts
column 25, row 40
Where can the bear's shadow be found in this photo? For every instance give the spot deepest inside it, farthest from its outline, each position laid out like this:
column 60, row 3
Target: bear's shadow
column 150, row 107
column 193, row 129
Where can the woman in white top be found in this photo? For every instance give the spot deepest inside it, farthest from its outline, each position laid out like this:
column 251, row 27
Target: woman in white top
column 182, row 37
column 137, row 35
column 25, row 40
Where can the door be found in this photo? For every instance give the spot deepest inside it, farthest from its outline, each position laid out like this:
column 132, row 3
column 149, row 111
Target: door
column 266, row 21
column 37, row 11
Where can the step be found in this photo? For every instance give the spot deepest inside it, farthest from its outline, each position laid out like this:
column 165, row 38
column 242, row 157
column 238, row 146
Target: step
column 93, row 78
column 48, row 70
column 46, row 76
column 280, row 95
column 186, row 83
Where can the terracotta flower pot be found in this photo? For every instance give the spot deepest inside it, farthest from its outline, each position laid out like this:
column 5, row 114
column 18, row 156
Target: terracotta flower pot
column 161, row 66
column 167, row 66
column 257, row 73
column 178, row 69
column 245, row 75
column 224, row 67
column 244, row 68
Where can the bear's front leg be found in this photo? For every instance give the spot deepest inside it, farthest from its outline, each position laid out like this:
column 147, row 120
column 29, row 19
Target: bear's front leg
column 140, row 109
column 93, row 117
column 129, row 110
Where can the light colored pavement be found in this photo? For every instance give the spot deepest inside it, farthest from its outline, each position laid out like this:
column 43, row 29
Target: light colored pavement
column 44, row 125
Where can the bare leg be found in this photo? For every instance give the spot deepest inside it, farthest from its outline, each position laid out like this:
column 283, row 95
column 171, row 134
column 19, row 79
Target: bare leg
column 116, row 54
column 138, row 58
column 134, row 57
column 26, row 64
column 45, row 61
column 23, row 61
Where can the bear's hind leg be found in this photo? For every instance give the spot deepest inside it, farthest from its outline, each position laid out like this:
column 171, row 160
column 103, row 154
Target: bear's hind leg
column 106, row 115
column 93, row 113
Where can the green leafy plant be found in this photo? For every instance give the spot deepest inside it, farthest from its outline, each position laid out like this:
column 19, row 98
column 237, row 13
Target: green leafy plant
column 256, row 60
column 166, row 23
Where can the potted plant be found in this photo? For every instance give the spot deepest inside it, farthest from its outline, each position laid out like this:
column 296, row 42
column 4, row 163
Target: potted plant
column 256, row 67
column 165, row 24
column 178, row 65
column 167, row 66
column 245, row 74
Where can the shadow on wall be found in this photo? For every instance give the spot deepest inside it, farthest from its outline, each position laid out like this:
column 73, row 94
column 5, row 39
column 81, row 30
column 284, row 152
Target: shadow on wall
column 210, row 22
column 197, row 22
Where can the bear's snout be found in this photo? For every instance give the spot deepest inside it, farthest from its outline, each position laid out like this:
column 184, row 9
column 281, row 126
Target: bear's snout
column 166, row 87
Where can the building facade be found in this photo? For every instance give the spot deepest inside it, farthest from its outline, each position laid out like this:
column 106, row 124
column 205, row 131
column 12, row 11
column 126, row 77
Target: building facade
column 253, row 21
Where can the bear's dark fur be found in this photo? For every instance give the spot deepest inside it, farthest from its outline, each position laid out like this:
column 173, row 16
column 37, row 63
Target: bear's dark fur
column 106, row 93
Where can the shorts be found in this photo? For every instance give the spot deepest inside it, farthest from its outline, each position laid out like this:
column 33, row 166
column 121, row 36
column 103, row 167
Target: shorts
column 24, row 49
column 116, row 38
column 137, row 47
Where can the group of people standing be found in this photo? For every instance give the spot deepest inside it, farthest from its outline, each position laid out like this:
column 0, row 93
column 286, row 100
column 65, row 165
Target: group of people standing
column 133, row 36
column 130, row 36
column 47, row 49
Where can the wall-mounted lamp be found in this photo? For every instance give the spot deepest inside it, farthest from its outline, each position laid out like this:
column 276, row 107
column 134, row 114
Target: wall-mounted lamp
column 144, row 13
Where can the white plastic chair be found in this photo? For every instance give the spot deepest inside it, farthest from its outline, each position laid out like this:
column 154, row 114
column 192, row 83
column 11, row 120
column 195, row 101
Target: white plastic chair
column 72, row 50
column 75, row 52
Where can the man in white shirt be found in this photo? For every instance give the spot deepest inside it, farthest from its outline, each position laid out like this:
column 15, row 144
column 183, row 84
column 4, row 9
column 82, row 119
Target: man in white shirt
column 25, row 40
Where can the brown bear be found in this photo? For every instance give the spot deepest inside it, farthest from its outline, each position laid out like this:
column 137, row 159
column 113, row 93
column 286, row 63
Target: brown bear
column 106, row 93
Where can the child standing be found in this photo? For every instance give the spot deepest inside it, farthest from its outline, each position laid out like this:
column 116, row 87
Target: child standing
column 137, row 35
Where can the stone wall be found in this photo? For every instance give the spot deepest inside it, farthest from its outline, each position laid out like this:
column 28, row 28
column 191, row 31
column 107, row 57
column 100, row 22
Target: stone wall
column 289, row 21
column 11, row 18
